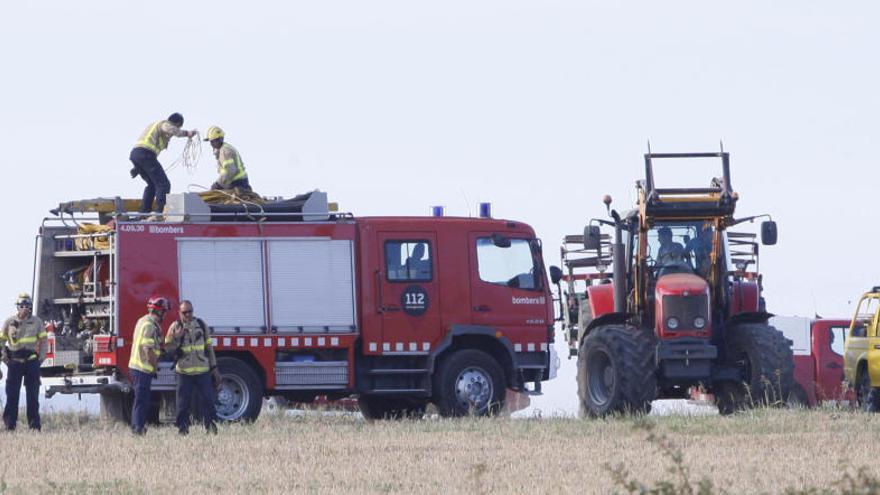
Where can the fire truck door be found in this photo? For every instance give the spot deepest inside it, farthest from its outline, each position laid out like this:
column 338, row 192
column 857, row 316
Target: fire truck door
column 409, row 299
column 508, row 292
column 828, row 343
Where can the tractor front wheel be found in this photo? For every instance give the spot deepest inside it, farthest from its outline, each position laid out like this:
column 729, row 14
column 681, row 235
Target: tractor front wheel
column 763, row 356
column 616, row 371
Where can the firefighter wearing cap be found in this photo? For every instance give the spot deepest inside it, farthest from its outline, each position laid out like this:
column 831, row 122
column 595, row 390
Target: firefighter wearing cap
column 25, row 348
column 189, row 341
column 229, row 165
column 145, row 154
column 142, row 365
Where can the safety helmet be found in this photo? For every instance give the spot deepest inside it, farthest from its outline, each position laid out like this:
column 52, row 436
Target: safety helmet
column 214, row 132
column 24, row 299
column 158, row 303
column 176, row 119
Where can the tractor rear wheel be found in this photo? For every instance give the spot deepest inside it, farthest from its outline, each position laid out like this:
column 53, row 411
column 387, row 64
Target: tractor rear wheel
column 763, row 355
column 616, row 371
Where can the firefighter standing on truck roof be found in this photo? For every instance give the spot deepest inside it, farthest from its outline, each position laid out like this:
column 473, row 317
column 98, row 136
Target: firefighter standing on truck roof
column 145, row 350
column 25, row 350
column 189, row 341
column 145, row 154
column 232, row 172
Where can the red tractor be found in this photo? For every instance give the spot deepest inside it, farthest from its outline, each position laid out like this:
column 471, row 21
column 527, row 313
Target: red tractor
column 681, row 307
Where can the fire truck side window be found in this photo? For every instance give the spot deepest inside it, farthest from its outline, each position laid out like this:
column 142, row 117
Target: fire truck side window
column 511, row 266
column 408, row 261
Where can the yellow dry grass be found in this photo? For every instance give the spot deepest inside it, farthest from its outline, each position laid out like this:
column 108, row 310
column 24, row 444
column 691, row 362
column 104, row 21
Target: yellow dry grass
column 759, row 452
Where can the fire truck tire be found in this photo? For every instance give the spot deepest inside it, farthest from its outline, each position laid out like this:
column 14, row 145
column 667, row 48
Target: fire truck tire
column 616, row 372
column 764, row 356
column 468, row 382
column 116, row 406
column 375, row 407
column 240, row 396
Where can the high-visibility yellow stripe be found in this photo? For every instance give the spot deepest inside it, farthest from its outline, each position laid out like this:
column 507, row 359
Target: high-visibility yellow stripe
column 139, row 341
column 24, row 340
column 42, row 335
column 192, row 370
column 194, row 347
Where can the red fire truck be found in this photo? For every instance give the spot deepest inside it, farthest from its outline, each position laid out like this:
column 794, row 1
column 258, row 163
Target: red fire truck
column 302, row 302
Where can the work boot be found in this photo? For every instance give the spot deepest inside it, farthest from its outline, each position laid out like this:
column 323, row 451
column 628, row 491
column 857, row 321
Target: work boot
column 155, row 218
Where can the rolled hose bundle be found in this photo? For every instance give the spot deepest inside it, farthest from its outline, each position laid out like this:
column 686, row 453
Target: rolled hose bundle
column 97, row 242
column 231, row 197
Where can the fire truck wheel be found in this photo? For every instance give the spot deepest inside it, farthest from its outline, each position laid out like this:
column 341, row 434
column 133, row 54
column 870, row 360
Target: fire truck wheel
column 375, row 407
column 763, row 354
column 116, row 406
column 240, row 395
column 469, row 382
column 616, row 372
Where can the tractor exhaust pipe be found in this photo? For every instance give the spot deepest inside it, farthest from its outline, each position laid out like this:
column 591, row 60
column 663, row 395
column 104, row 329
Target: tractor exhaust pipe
column 619, row 267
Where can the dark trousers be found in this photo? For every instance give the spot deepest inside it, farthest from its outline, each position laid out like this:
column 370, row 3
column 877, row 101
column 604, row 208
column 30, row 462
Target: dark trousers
column 151, row 171
column 244, row 184
column 30, row 373
column 141, row 382
column 203, row 387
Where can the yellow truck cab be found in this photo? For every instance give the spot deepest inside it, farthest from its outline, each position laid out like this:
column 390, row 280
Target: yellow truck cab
column 862, row 352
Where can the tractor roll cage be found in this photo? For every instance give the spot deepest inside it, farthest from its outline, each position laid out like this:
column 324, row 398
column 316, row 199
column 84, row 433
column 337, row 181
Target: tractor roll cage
column 712, row 201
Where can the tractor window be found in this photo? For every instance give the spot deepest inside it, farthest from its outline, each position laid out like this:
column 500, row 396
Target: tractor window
column 681, row 247
column 836, row 336
column 407, row 261
column 511, row 266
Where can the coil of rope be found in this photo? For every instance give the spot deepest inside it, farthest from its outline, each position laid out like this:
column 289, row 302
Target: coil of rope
column 189, row 157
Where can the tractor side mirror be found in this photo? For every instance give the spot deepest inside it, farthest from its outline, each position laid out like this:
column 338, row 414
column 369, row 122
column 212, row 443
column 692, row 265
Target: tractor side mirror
column 592, row 237
column 768, row 233
column 555, row 274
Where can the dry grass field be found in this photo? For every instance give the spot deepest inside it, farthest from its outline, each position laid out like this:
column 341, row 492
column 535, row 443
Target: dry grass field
column 760, row 452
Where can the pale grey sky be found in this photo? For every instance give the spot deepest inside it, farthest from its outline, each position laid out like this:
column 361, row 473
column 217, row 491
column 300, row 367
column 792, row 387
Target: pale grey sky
column 392, row 106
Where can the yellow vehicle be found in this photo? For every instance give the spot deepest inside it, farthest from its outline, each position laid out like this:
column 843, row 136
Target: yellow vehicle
column 862, row 352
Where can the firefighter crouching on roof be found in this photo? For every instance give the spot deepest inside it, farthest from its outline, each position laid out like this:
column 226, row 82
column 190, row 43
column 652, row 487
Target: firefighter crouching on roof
column 144, row 359
column 25, row 338
column 229, row 164
column 189, row 341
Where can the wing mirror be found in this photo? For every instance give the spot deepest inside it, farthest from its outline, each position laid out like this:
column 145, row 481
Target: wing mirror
column 592, row 237
column 768, row 233
column 555, row 274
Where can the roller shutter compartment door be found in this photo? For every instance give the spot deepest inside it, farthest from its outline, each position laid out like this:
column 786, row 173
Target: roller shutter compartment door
column 224, row 281
column 312, row 286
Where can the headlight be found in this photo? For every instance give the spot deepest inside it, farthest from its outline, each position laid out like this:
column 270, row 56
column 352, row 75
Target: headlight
column 672, row 323
column 699, row 322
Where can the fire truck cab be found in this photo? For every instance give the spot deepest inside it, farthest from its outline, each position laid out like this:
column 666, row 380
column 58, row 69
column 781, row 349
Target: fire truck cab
column 301, row 302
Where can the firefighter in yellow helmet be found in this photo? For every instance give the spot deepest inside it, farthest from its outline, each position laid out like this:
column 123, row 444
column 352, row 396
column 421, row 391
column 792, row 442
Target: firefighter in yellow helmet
column 144, row 360
column 229, row 164
column 144, row 157
column 189, row 341
column 25, row 349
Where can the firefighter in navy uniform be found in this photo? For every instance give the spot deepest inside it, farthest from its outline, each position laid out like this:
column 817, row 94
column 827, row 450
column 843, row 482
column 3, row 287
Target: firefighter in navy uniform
column 25, row 338
column 145, row 350
column 189, row 341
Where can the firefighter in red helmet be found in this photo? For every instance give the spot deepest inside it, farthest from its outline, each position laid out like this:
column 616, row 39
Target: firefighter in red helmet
column 144, row 360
